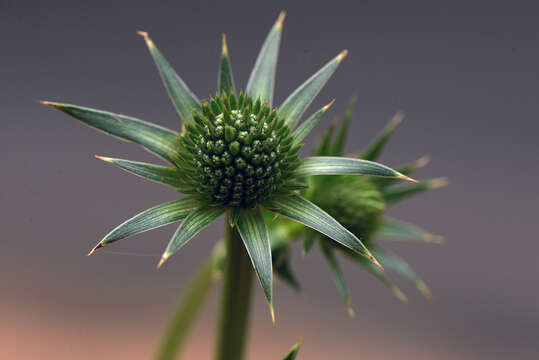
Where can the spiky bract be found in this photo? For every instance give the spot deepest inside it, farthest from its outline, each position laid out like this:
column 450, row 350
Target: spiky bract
column 237, row 152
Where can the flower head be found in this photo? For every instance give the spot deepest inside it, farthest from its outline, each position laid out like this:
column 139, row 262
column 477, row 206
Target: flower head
column 235, row 154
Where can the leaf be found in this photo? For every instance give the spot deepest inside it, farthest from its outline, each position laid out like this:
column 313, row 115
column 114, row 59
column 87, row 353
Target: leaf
column 225, row 81
column 395, row 194
column 308, row 242
column 192, row 225
column 405, row 170
column 402, row 268
column 154, row 138
column 281, row 267
column 375, row 148
column 293, row 351
column 149, row 219
column 398, row 229
column 324, row 148
column 380, row 275
column 183, row 99
column 307, row 213
column 187, row 309
column 338, row 146
column 305, row 128
column 253, row 231
column 337, row 275
column 262, row 79
column 234, row 215
column 161, row 174
column 334, row 165
column 296, row 104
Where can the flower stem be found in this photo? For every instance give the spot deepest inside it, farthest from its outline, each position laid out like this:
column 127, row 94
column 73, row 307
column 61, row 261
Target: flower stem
column 236, row 298
column 186, row 310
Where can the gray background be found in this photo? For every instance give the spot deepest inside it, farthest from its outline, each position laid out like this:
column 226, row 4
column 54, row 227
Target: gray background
column 465, row 72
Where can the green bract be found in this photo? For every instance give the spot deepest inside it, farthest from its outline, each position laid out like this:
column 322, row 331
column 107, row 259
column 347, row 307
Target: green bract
column 235, row 154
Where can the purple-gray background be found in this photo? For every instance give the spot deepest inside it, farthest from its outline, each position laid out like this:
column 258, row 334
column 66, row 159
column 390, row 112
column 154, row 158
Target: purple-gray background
column 465, row 73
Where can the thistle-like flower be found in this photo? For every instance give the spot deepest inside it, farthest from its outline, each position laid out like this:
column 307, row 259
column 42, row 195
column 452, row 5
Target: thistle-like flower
column 236, row 154
column 359, row 204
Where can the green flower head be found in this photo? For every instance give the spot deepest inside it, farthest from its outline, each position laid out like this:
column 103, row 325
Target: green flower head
column 236, row 154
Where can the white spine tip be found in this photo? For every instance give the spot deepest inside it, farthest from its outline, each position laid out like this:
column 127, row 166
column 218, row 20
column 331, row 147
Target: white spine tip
column 342, row 55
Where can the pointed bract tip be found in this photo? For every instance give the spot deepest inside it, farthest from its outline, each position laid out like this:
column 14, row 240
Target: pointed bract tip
column 280, row 19
column 325, row 108
column 375, row 262
column 104, row 158
column 224, row 48
column 342, row 55
column 47, row 103
column 433, row 238
column 396, row 120
column 424, row 289
column 422, row 161
column 162, row 261
column 407, row 178
column 300, row 339
column 98, row 246
column 438, row 183
column 144, row 34
column 400, row 295
column 272, row 313
column 146, row 37
column 350, row 309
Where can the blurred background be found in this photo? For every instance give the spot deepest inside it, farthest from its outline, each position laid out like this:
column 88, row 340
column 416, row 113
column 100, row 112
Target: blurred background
column 464, row 72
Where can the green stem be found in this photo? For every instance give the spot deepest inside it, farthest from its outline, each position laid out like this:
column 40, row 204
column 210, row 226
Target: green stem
column 236, row 298
column 186, row 311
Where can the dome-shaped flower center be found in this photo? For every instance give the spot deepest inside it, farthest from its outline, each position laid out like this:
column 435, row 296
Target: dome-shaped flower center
column 239, row 153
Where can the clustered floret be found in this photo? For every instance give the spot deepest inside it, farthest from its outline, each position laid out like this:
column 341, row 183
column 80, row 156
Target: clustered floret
column 236, row 152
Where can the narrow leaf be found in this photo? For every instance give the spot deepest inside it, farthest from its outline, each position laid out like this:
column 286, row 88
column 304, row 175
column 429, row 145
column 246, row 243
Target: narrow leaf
column 375, row 148
column 400, row 230
column 395, row 194
column 338, row 146
column 225, row 81
column 281, row 267
column 293, row 351
column 234, row 215
column 324, row 148
column 305, row 128
column 161, row 174
column 254, row 233
column 307, row 213
column 149, row 219
column 296, row 104
column 337, row 275
column 407, row 169
column 380, row 275
column 154, row 138
column 262, row 79
column 402, row 268
column 183, row 99
column 192, row 225
column 308, row 242
column 333, row 165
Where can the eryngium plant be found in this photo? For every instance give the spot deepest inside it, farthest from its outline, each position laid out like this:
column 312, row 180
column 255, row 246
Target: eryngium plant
column 236, row 155
column 360, row 203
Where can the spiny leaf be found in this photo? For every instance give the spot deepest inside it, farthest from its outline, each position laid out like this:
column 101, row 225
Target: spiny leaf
column 254, row 233
column 149, row 219
column 183, row 99
column 281, row 266
column 402, row 268
column 338, row 146
column 375, row 148
column 337, row 275
column 308, row 242
column 307, row 213
column 395, row 194
column 305, row 128
column 405, row 170
column 161, row 174
column 154, row 138
column 262, row 79
column 192, row 225
column 293, row 351
column 333, row 165
column 380, row 275
column 324, row 148
column 400, row 230
column 234, row 215
column 225, row 81
column 296, row 104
